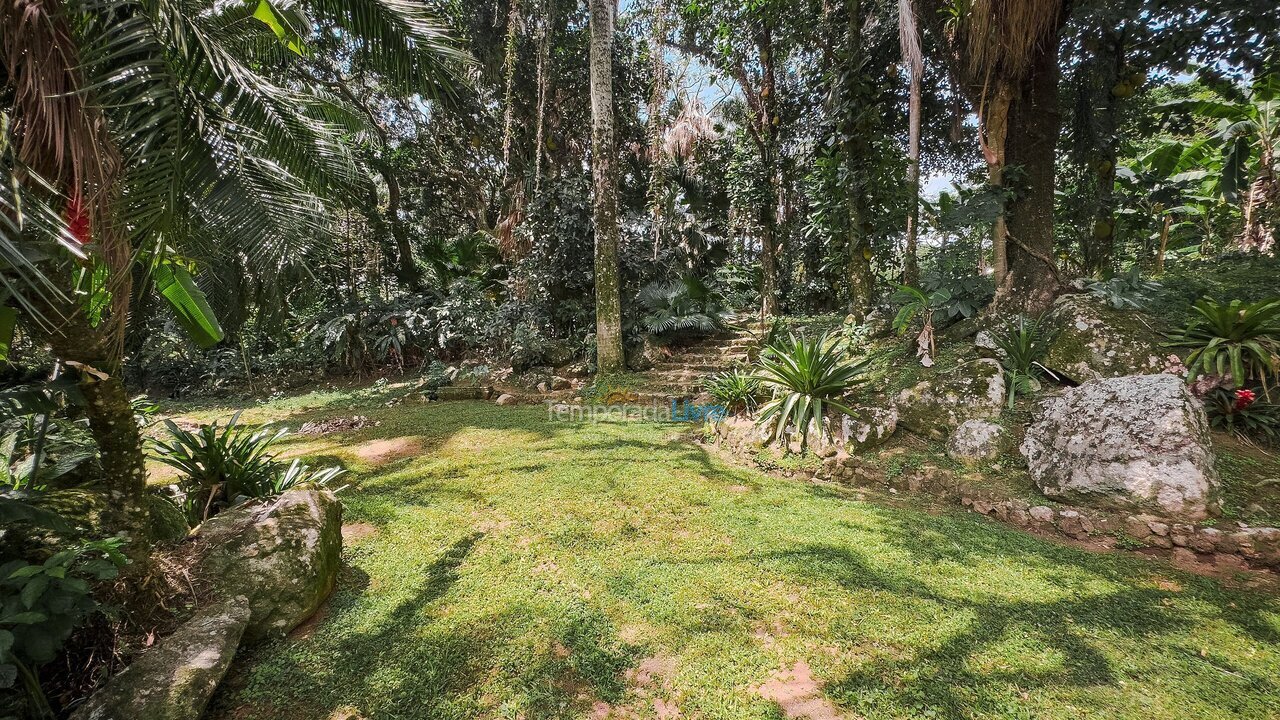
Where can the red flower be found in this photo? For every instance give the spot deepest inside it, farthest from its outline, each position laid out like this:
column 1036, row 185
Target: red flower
column 78, row 220
column 1244, row 398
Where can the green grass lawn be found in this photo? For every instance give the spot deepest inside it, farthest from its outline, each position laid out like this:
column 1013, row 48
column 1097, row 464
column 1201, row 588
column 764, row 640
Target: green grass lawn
column 500, row 565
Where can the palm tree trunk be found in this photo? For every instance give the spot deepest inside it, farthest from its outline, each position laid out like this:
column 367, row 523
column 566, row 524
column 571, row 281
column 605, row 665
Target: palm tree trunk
column 1262, row 210
column 1034, row 124
column 909, row 39
column 857, row 158
column 609, row 357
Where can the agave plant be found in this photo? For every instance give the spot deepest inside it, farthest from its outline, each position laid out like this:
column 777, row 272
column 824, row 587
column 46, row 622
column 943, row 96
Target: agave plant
column 1237, row 339
column 1022, row 344
column 806, row 377
column 736, row 390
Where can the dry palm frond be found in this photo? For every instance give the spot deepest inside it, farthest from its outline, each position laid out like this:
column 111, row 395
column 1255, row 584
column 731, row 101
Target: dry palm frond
column 909, row 37
column 1000, row 38
column 691, row 126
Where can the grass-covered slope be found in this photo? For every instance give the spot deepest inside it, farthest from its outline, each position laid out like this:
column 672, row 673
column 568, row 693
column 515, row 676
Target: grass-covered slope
column 498, row 565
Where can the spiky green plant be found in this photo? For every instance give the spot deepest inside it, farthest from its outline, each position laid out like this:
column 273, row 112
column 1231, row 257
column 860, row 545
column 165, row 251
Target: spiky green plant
column 1022, row 343
column 1237, row 339
column 806, row 377
column 736, row 390
column 220, row 463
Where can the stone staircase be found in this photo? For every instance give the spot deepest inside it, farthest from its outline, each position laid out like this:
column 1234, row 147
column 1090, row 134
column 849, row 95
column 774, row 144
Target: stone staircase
column 682, row 373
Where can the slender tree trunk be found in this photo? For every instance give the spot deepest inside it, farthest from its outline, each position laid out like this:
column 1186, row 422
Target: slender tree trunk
column 1164, row 243
column 857, row 155
column 1034, row 123
column 407, row 271
column 1260, row 210
column 609, row 357
column 994, row 135
column 767, row 137
column 910, row 263
column 909, row 39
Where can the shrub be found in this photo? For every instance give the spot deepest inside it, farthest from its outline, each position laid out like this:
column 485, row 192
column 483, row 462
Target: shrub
column 1236, row 339
column 40, row 605
column 1128, row 291
column 736, row 390
column 806, row 377
column 1022, row 344
column 223, row 466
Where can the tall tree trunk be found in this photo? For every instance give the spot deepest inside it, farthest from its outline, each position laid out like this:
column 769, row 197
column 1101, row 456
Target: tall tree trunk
column 1034, row 123
column 767, row 138
column 994, row 137
column 609, row 357
column 857, row 155
column 407, row 271
column 909, row 39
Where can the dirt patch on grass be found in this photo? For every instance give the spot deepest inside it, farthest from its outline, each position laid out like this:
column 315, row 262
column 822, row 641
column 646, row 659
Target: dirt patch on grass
column 381, row 451
column 649, row 685
column 798, row 695
column 355, row 532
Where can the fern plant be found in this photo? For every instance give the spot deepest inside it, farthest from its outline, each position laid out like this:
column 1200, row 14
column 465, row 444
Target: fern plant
column 806, row 377
column 1022, row 343
column 1238, row 339
column 736, row 390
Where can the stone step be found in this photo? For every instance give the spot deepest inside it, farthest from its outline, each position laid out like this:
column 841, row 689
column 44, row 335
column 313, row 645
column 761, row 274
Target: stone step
column 696, row 367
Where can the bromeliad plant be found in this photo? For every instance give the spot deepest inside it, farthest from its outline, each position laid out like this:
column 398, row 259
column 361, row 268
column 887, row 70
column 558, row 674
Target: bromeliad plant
column 1022, row 344
column 225, row 465
column 806, row 377
column 1239, row 340
column 736, row 390
column 1241, row 412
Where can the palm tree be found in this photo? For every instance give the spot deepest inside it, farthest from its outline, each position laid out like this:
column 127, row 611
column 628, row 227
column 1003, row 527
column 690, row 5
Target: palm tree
column 604, row 170
column 151, row 134
column 1004, row 54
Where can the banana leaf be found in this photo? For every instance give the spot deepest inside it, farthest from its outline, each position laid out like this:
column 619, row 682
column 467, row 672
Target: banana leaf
column 189, row 304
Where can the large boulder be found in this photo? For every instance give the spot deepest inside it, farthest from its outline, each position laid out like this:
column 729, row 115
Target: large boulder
column 1094, row 340
column 973, row 390
column 1138, row 442
column 977, row 440
column 282, row 555
column 174, row 679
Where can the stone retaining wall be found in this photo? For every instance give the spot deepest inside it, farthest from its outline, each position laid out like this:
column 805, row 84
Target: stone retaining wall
column 1226, row 543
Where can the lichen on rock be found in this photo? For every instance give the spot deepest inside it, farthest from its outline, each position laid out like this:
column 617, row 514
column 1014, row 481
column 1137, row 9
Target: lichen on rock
column 1092, row 340
column 934, row 407
column 1138, row 442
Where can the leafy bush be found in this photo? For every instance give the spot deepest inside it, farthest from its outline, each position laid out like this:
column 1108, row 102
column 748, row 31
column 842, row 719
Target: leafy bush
column 223, row 466
column 1236, row 339
column 958, row 297
column 1022, row 344
column 736, row 390
column 40, row 605
column 685, row 306
column 1240, row 412
column 806, row 377
column 1128, row 291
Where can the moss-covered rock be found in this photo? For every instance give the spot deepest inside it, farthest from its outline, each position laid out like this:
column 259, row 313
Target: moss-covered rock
column 282, row 555
column 167, row 521
column 1093, row 340
column 175, row 679
column 968, row 391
